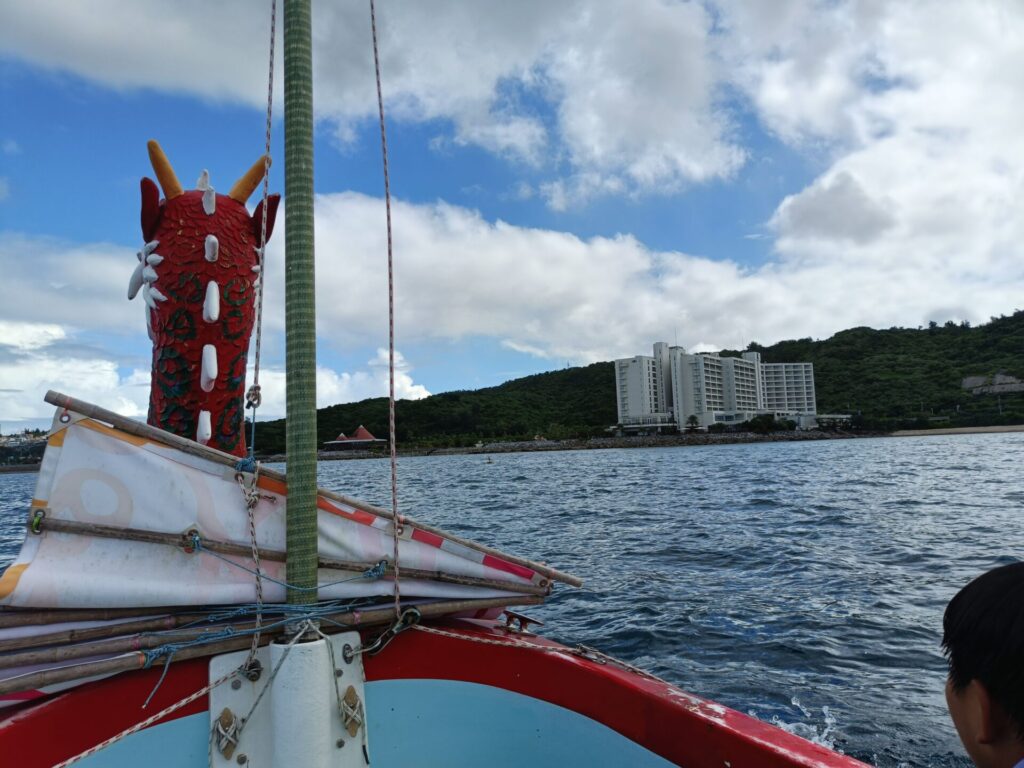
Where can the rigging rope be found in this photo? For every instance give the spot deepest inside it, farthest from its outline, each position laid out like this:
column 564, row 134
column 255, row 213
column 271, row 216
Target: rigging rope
column 374, row 572
column 252, row 497
column 253, row 397
column 397, row 520
column 143, row 724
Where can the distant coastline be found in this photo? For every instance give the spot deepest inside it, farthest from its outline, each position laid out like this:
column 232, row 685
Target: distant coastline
column 958, row 430
column 601, row 443
column 596, row 443
column 11, row 469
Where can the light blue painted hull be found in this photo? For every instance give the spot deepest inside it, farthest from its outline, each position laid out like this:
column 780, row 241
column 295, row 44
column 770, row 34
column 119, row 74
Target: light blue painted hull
column 423, row 723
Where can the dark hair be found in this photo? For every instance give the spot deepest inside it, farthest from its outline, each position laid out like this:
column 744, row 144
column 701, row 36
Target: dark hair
column 983, row 637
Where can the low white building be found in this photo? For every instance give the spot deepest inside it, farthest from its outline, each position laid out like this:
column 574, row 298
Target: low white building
column 788, row 387
column 671, row 386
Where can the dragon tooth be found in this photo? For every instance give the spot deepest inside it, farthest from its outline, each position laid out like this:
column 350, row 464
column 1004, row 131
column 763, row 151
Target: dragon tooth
column 154, row 259
column 135, row 282
column 156, row 294
column 149, row 247
column 149, row 274
column 211, row 305
column 204, row 430
column 203, row 182
column 212, row 248
column 256, row 268
column 208, row 373
column 150, row 301
column 209, row 201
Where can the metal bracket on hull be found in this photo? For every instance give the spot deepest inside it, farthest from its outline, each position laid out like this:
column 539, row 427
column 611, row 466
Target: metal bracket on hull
column 519, row 622
column 306, row 709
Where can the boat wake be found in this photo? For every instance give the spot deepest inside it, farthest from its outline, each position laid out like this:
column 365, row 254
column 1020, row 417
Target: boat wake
column 819, row 732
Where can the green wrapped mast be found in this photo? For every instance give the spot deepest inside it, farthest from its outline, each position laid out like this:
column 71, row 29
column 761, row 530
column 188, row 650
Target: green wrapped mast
column 300, row 322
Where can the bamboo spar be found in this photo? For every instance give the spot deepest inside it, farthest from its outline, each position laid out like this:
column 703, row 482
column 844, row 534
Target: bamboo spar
column 338, row 622
column 300, row 310
column 244, row 550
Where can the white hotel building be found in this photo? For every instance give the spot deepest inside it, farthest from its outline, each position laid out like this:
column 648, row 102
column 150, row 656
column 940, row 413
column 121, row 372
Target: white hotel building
column 666, row 389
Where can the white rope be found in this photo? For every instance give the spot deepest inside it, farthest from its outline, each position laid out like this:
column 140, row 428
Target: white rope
column 252, row 496
column 225, row 737
column 254, row 391
column 346, row 712
column 299, row 634
column 148, row 721
column 396, row 527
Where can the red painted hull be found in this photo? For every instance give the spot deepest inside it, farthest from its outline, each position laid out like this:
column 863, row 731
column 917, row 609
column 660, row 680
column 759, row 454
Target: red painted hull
column 681, row 728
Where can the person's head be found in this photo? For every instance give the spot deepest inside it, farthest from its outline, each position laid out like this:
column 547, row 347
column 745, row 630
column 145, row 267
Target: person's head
column 983, row 637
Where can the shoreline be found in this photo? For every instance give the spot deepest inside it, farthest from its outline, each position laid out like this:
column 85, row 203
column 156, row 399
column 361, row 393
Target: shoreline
column 1003, row 428
column 607, row 443
column 14, row 469
column 595, row 443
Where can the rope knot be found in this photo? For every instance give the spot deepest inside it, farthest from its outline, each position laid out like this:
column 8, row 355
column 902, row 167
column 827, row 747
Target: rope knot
column 248, row 464
column 253, row 398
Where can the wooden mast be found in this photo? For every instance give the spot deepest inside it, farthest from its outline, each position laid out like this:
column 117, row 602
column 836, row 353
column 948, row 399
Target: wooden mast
column 300, row 319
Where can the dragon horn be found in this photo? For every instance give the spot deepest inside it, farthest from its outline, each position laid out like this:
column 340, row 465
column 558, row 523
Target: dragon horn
column 245, row 186
column 164, row 172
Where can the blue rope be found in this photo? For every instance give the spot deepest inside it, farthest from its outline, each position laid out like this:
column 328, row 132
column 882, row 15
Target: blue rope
column 303, row 612
column 248, row 464
column 375, row 572
column 169, row 649
column 219, row 614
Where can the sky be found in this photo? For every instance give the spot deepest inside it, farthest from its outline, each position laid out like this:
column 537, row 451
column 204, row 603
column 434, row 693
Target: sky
column 572, row 181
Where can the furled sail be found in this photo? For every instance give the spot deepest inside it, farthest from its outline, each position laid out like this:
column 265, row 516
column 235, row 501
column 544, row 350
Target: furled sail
column 128, row 516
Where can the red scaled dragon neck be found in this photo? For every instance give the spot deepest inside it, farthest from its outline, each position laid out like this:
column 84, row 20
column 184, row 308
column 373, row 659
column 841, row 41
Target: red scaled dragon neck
column 198, row 272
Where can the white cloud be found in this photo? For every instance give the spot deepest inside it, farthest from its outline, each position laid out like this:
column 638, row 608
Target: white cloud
column 559, row 296
column 36, row 357
column 637, row 99
column 25, row 378
column 611, row 102
column 915, row 108
column 28, row 336
column 541, row 292
column 622, row 100
column 70, row 285
column 333, row 387
column 833, row 208
column 911, row 108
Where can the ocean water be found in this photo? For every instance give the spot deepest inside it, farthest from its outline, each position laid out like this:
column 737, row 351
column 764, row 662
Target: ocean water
column 803, row 583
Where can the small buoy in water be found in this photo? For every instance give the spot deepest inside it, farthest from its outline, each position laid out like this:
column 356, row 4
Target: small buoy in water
column 488, row 460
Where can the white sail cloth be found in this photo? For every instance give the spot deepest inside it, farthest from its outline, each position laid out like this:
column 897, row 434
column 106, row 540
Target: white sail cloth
column 95, row 475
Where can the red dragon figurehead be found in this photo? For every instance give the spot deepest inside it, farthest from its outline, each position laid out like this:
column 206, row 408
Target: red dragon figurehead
column 198, row 272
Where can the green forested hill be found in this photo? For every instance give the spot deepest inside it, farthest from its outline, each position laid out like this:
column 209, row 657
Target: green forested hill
column 904, row 377
column 568, row 403
column 890, row 379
